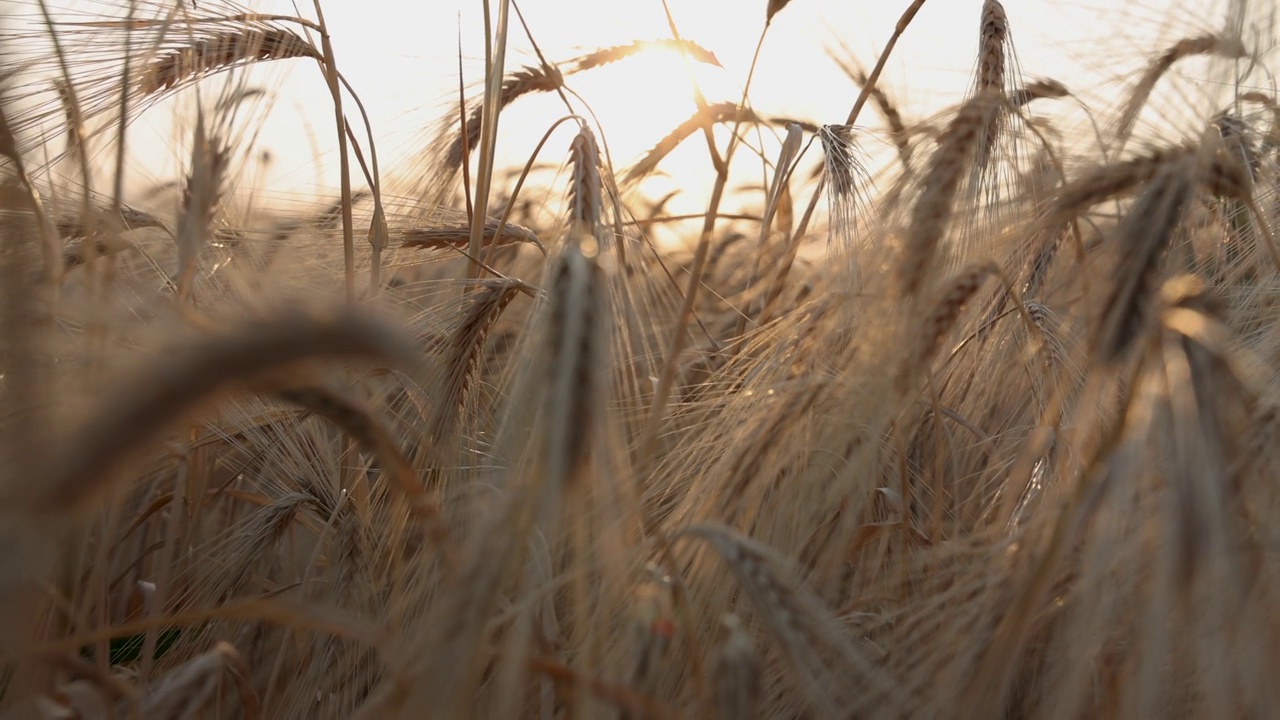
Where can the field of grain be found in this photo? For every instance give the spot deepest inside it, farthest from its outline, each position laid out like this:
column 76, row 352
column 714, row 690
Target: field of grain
column 967, row 415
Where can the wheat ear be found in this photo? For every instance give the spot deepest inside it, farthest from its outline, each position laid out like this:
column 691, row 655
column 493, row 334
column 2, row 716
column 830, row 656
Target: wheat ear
column 931, row 214
column 207, row 55
column 1187, row 47
column 1143, row 235
column 515, row 85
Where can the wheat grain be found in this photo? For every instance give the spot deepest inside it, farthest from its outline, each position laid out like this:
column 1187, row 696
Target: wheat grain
column 1110, row 180
column 990, row 83
column 200, row 198
column 992, row 39
column 946, row 311
column 815, row 645
column 578, row 357
column 775, row 7
column 186, row 691
column 586, row 190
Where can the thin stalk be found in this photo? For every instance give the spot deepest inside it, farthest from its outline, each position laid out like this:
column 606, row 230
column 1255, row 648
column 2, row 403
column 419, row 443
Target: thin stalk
column 378, row 230
column 117, row 194
column 495, row 57
column 82, row 151
column 344, row 162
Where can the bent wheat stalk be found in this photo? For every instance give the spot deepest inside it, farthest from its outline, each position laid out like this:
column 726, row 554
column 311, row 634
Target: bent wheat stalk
column 151, row 398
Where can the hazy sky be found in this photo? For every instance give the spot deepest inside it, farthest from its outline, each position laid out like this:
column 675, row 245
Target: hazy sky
column 403, row 58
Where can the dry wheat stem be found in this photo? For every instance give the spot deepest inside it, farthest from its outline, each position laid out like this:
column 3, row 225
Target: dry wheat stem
column 495, row 91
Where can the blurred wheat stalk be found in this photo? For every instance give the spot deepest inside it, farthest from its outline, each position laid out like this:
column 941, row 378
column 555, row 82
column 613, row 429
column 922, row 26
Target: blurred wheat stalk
column 1005, row 451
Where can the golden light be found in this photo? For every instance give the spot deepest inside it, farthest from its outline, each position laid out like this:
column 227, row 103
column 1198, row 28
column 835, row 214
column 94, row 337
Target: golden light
column 404, row 62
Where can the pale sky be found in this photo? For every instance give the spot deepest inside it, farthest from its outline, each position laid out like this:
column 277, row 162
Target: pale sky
column 402, row 57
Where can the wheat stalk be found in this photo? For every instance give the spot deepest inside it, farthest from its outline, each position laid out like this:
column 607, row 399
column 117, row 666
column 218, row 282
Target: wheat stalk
column 737, row 673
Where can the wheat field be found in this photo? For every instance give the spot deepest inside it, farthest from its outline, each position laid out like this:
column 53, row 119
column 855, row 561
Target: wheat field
column 972, row 414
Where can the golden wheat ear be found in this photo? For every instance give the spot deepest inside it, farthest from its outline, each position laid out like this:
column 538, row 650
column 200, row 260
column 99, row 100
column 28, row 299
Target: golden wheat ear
column 1042, row 89
column 606, row 56
column 993, row 51
column 458, row 235
column 939, row 183
column 804, row 630
column 200, row 198
column 1187, row 47
column 484, row 306
column 207, row 54
column 1145, row 234
column 517, row 84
